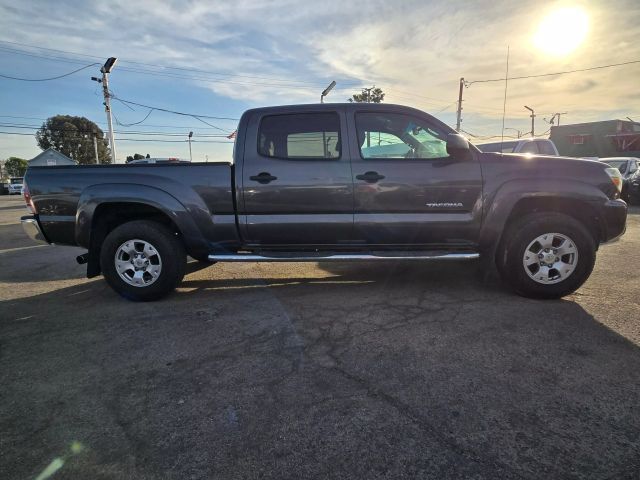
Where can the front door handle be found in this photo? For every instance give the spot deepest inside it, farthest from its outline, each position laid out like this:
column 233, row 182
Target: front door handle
column 263, row 178
column 370, row 177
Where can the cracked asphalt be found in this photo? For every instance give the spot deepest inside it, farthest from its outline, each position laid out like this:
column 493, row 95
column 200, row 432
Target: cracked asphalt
column 296, row 371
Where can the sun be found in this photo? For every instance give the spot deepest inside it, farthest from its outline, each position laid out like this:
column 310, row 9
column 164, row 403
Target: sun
column 562, row 31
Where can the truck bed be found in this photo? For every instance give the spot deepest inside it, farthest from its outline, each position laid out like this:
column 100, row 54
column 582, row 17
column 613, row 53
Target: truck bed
column 63, row 195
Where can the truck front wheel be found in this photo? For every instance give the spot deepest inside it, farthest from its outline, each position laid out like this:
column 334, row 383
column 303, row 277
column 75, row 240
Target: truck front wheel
column 546, row 255
column 143, row 260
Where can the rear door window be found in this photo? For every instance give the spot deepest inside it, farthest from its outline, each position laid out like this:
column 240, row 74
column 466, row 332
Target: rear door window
column 301, row 136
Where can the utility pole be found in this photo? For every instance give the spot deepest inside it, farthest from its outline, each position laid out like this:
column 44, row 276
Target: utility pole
column 460, row 104
column 95, row 148
column 106, row 70
column 190, row 156
column 558, row 115
column 533, row 116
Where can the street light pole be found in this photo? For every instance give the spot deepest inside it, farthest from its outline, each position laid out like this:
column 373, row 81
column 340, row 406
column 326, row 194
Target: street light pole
column 190, row 156
column 533, row 116
column 515, row 130
column 95, row 148
column 106, row 70
column 326, row 91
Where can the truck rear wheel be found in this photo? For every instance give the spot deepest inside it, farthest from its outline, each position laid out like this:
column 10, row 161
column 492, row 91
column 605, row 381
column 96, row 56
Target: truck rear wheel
column 546, row 255
column 143, row 260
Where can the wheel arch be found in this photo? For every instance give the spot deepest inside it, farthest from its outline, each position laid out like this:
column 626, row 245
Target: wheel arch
column 105, row 207
column 578, row 209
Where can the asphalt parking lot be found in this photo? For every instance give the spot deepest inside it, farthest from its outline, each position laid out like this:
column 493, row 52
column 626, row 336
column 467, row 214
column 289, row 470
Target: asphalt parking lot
column 292, row 371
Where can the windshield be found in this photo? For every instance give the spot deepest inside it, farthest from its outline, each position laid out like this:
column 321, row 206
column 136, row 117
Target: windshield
column 16, row 181
column 504, row 147
column 621, row 165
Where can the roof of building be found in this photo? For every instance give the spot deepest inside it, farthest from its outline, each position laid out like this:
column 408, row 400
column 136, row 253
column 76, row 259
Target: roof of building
column 49, row 154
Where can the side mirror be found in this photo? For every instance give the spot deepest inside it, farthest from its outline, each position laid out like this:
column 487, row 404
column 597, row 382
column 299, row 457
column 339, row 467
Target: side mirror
column 457, row 145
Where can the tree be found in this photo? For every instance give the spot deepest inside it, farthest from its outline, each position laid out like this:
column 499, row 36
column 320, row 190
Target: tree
column 73, row 136
column 368, row 95
column 136, row 156
column 15, row 167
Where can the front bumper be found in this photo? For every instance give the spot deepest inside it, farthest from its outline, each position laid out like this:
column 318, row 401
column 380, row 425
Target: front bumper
column 613, row 220
column 31, row 227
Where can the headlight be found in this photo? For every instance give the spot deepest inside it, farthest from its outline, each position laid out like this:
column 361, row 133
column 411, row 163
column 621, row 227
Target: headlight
column 616, row 177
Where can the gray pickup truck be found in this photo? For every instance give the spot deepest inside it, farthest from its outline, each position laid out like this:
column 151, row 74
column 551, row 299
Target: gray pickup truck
column 334, row 182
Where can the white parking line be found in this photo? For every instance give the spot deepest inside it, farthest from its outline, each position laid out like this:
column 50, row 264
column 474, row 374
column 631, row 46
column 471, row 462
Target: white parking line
column 9, row 250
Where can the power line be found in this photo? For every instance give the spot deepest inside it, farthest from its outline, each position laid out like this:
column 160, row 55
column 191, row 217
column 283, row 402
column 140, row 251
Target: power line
column 50, row 78
column 227, row 77
column 133, row 139
column 172, row 111
column 130, row 124
column 90, row 132
column 103, row 123
column 555, row 73
column 192, row 115
column 188, row 69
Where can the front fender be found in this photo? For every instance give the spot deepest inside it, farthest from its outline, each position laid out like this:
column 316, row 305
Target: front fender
column 502, row 202
column 186, row 219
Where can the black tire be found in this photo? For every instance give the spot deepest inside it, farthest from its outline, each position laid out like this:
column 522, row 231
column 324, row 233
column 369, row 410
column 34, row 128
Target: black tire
column 521, row 233
column 169, row 249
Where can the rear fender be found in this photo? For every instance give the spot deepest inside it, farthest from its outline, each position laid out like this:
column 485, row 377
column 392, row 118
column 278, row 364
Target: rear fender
column 187, row 220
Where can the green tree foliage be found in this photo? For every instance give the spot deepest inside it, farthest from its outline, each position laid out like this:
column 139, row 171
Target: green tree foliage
column 15, row 167
column 136, row 156
column 73, row 136
column 368, row 95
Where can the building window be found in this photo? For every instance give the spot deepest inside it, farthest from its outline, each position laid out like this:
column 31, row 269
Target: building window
column 580, row 139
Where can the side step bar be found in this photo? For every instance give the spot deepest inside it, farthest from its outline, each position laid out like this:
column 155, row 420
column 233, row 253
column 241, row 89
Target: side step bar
column 342, row 257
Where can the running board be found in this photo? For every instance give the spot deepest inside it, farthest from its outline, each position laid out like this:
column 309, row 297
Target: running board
column 343, row 257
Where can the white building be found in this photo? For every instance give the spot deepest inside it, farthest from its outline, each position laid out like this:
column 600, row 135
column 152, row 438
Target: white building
column 50, row 158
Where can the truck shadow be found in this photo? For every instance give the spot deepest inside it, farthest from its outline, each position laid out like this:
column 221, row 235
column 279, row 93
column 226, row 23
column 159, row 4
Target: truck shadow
column 502, row 386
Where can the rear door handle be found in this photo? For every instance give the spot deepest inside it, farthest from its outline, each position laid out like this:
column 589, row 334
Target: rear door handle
column 263, row 178
column 370, row 177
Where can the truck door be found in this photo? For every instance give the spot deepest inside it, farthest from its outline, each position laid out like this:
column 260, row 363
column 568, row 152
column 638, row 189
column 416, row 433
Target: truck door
column 408, row 191
column 296, row 179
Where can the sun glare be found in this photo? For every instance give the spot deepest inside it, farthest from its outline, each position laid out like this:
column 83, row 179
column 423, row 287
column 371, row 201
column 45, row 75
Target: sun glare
column 562, row 31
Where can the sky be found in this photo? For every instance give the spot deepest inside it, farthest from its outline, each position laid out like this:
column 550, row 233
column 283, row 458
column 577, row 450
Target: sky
column 216, row 59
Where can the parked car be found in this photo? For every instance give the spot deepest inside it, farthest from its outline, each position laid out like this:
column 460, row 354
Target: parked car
column 12, row 186
column 629, row 167
column 535, row 146
column 306, row 185
column 157, row 160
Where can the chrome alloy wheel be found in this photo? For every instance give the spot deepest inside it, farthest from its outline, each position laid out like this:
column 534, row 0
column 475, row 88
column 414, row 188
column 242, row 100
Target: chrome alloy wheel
column 138, row 263
column 550, row 258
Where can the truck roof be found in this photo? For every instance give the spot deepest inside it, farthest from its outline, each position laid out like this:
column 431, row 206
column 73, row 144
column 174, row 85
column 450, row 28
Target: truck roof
column 347, row 106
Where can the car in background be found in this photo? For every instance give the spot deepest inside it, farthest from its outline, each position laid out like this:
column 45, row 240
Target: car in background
column 535, row 146
column 143, row 161
column 629, row 168
column 12, row 186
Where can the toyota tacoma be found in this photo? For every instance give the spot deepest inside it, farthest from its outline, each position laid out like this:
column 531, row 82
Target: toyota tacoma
column 334, row 182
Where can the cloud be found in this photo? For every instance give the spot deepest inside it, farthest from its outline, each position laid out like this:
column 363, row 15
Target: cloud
column 414, row 50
